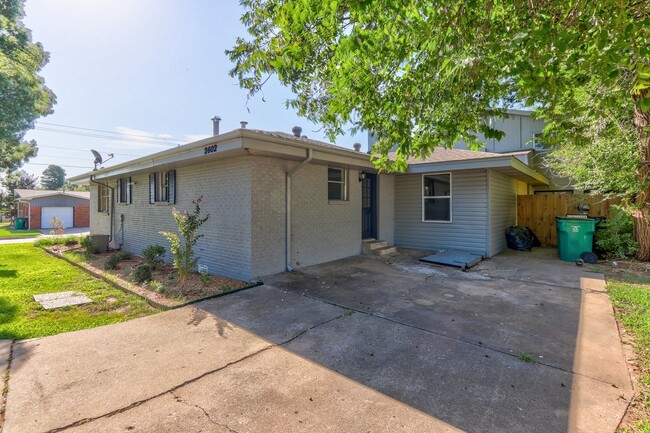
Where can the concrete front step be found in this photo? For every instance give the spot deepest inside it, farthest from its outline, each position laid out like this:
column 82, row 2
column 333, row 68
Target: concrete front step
column 372, row 246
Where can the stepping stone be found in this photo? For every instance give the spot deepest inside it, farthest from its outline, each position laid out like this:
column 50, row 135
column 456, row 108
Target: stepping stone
column 61, row 299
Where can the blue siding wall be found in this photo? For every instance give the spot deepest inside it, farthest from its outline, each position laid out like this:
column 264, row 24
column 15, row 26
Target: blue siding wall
column 468, row 230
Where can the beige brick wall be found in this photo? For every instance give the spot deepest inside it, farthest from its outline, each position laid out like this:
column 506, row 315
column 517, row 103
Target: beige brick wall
column 245, row 236
column 225, row 187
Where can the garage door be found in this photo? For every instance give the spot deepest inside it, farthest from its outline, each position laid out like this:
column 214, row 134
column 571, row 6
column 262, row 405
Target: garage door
column 65, row 214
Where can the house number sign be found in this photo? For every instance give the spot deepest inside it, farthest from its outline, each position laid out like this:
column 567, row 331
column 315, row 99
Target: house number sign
column 210, row 149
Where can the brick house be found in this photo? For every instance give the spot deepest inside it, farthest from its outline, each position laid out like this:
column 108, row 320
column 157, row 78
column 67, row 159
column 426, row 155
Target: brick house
column 40, row 206
column 280, row 201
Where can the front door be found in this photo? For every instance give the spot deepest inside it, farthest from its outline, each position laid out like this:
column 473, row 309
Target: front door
column 369, row 206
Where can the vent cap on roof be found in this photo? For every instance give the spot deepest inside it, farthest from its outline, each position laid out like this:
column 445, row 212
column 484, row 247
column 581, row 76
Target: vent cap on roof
column 297, row 130
column 215, row 125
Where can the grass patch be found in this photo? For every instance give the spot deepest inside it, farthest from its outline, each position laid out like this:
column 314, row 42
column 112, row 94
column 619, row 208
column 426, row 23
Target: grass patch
column 6, row 231
column 26, row 270
column 632, row 306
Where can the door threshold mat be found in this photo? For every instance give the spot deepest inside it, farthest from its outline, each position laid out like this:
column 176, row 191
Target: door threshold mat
column 455, row 258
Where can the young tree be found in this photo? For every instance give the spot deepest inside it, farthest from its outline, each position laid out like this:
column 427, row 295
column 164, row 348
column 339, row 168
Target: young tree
column 53, row 177
column 23, row 94
column 422, row 74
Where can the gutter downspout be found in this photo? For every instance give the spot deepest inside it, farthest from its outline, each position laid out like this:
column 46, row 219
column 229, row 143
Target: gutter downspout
column 110, row 208
column 288, row 207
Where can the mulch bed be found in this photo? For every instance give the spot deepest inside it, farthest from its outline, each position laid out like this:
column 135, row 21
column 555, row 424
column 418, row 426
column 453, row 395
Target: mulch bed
column 164, row 288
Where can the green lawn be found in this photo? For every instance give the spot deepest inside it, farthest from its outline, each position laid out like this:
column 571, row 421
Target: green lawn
column 632, row 303
column 26, row 270
column 6, row 231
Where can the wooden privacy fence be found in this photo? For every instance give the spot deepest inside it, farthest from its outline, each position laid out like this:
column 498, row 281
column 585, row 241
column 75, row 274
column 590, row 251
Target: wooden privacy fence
column 539, row 211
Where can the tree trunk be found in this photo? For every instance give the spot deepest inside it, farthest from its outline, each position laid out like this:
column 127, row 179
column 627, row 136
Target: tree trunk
column 641, row 215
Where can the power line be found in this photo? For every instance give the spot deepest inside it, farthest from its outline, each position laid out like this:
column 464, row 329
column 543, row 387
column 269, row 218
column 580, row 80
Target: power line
column 77, row 150
column 112, row 132
column 60, row 165
column 105, row 137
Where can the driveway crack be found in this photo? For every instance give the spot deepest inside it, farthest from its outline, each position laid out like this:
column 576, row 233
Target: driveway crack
column 205, row 412
column 153, row 397
column 309, row 329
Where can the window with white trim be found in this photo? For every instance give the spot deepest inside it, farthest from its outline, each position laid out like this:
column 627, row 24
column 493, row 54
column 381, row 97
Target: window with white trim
column 436, row 197
column 162, row 187
column 337, row 184
column 123, row 190
column 103, row 198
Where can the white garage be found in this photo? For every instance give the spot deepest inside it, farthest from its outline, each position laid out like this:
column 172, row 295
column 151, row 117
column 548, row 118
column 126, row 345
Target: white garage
column 65, row 214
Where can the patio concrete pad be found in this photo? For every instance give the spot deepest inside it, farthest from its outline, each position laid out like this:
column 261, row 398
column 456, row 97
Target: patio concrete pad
column 274, row 314
column 278, row 391
column 164, row 414
column 61, row 299
column 58, row 380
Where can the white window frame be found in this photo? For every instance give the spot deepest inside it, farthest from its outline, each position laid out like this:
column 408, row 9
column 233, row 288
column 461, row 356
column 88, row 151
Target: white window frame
column 450, row 197
column 162, row 187
column 343, row 183
column 103, row 200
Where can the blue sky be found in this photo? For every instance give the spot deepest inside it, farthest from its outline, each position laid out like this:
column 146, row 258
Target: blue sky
column 153, row 69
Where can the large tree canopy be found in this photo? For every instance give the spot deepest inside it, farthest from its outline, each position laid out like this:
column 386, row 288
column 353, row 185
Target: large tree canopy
column 53, row 177
column 23, row 94
column 421, row 74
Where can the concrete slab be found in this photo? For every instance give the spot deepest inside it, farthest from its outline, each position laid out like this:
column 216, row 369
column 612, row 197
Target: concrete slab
column 58, row 380
column 278, row 391
column 166, row 414
column 5, row 356
column 53, row 296
column 274, row 314
column 66, row 302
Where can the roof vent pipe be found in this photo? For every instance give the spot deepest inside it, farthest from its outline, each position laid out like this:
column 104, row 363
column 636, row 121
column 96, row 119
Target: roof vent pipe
column 357, row 147
column 243, row 124
column 297, row 130
column 215, row 125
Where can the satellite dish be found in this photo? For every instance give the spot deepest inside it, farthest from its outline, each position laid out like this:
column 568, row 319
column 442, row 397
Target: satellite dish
column 98, row 158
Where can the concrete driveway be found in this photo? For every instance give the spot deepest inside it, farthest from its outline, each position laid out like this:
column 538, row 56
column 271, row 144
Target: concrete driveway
column 361, row 344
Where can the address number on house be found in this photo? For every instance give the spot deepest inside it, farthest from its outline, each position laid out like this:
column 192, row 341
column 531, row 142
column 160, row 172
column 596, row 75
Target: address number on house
column 210, row 149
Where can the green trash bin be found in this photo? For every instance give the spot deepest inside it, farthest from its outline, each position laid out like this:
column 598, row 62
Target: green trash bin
column 574, row 237
column 21, row 224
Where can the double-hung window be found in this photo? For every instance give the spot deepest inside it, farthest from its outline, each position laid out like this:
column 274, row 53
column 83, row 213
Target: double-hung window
column 123, row 190
column 103, row 198
column 162, row 187
column 337, row 184
column 436, row 197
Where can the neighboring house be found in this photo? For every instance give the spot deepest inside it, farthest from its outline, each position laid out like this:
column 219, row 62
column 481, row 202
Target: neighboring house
column 40, row 206
column 279, row 201
column 522, row 133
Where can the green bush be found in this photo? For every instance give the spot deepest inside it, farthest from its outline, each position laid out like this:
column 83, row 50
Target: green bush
column 111, row 262
column 153, row 255
column 123, row 255
column 87, row 245
column 60, row 240
column 616, row 237
column 142, row 273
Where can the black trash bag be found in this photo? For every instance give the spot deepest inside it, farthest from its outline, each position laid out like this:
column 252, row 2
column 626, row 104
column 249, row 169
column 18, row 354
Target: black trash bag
column 521, row 238
column 536, row 241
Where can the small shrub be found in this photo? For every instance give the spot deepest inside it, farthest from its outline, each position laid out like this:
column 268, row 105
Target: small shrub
column 87, row 244
column 153, row 255
column 170, row 277
column 158, row 286
column 111, row 262
column 226, row 288
column 123, row 255
column 57, row 226
column 182, row 245
column 205, row 279
column 616, row 237
column 142, row 273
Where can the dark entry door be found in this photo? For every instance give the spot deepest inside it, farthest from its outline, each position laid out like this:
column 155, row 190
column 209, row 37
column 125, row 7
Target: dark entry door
column 369, row 206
